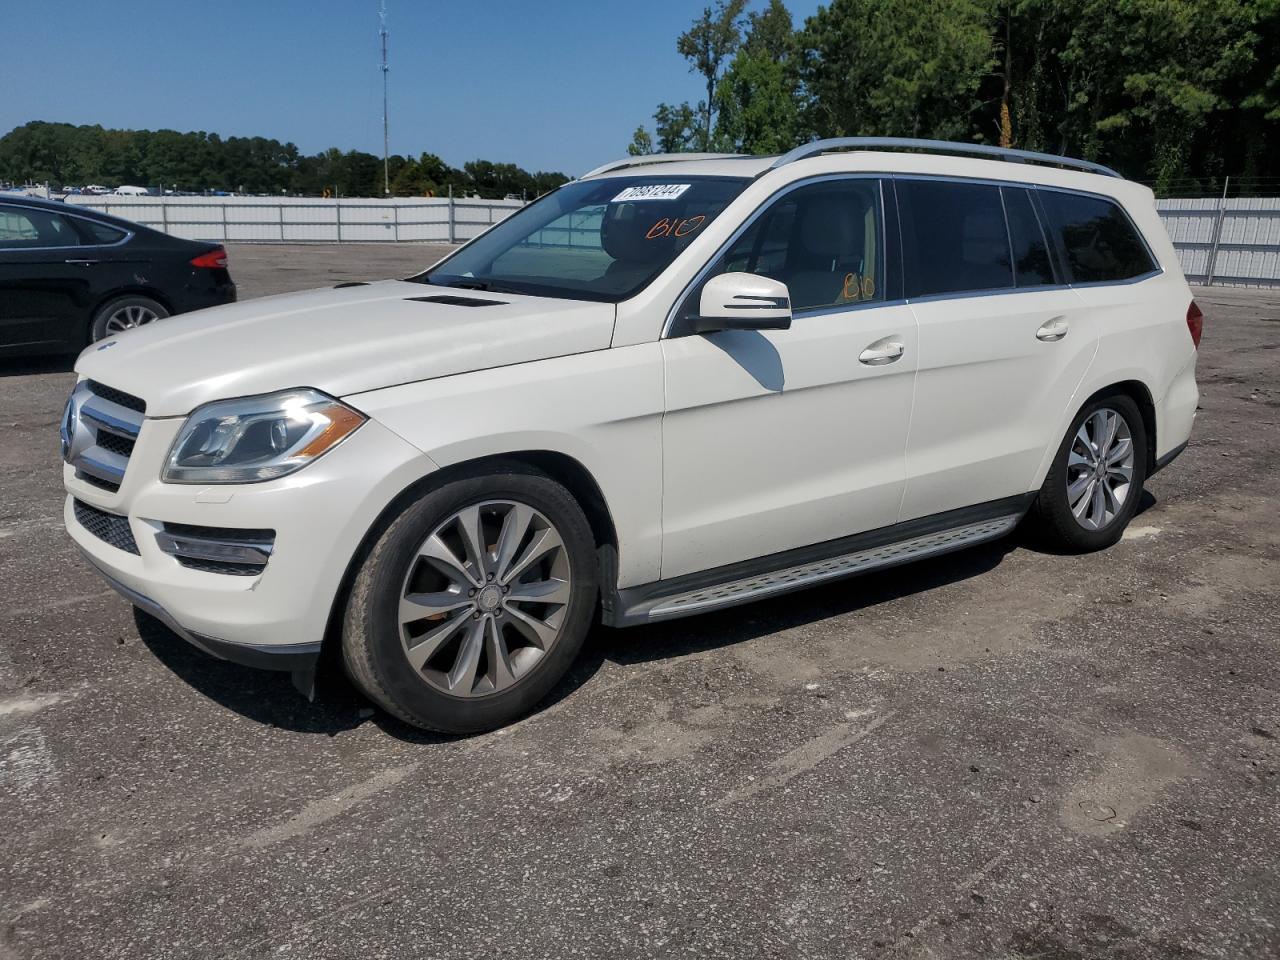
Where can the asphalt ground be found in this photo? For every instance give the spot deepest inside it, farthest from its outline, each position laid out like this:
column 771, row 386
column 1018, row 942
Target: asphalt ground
column 1002, row 753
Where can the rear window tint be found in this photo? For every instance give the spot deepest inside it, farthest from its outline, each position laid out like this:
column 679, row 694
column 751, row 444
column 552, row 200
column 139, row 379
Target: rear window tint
column 1031, row 264
column 955, row 237
column 26, row 228
column 101, row 232
column 1097, row 239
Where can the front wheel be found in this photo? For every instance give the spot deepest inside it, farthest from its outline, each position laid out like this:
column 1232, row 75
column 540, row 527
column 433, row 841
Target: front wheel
column 1094, row 485
column 474, row 602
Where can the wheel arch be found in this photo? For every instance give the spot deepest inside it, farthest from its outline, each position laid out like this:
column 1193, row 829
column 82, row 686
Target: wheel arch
column 567, row 470
column 133, row 290
column 1140, row 394
column 1131, row 387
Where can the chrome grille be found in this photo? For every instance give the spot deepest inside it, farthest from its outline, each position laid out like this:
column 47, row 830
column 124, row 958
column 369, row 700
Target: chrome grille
column 110, row 528
column 99, row 429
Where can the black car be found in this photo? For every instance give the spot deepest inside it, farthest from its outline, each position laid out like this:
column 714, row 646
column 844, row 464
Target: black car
column 70, row 275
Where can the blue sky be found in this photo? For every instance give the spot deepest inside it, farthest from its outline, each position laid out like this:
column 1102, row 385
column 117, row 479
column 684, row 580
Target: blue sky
column 552, row 85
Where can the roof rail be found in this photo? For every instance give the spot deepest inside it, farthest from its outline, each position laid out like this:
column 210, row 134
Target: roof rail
column 646, row 158
column 939, row 146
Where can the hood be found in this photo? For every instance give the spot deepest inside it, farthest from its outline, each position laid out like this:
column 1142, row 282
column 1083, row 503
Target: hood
column 341, row 341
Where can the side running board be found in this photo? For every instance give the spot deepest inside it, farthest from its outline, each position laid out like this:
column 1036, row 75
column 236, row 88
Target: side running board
column 659, row 605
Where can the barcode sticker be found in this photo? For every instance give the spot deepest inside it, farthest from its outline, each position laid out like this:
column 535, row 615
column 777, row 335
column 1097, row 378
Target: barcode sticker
column 652, row 191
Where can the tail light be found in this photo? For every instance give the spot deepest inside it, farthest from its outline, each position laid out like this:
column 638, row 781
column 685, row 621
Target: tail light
column 213, row 260
column 1195, row 323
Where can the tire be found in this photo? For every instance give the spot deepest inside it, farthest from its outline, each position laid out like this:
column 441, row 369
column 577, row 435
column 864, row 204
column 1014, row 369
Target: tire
column 1071, row 511
column 483, row 654
column 124, row 313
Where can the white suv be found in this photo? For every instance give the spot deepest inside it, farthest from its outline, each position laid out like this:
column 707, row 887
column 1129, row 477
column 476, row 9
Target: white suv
column 679, row 383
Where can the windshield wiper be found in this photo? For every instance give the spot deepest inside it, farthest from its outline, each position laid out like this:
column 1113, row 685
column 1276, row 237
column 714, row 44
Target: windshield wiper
column 468, row 284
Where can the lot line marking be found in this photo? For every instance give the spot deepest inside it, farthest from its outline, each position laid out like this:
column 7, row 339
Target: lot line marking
column 26, row 763
column 320, row 811
column 34, row 525
column 804, row 758
column 15, row 612
column 965, row 883
column 20, row 705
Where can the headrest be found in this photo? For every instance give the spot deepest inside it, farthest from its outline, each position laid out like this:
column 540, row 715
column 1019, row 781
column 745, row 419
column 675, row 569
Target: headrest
column 627, row 230
column 826, row 229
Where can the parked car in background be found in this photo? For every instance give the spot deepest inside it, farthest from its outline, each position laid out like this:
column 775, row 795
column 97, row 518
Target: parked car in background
column 127, row 191
column 748, row 375
column 70, row 275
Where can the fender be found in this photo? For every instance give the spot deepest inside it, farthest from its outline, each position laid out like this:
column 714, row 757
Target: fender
column 602, row 409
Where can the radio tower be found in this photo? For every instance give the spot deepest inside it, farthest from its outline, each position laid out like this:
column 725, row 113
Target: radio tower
column 382, row 18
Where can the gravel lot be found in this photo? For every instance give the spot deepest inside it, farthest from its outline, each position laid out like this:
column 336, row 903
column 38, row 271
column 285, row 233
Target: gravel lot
column 1001, row 753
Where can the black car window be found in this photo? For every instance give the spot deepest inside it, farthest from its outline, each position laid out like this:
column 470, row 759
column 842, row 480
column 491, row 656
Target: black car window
column 1031, row 264
column 103, row 233
column 1099, row 241
column 26, row 228
column 600, row 239
column 824, row 241
column 954, row 236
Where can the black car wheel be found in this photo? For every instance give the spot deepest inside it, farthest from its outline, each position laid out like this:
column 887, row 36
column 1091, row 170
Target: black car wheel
column 125, row 313
column 474, row 602
column 1093, row 488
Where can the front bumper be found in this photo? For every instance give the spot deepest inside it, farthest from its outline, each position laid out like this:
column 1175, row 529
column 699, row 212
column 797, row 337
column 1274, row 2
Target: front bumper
column 296, row 657
column 277, row 618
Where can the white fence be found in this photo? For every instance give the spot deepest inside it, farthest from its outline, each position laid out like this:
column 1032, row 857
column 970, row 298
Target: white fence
column 306, row 220
column 1234, row 242
column 1228, row 242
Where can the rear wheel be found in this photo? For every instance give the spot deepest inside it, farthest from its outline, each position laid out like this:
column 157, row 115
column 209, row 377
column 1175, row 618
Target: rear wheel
column 1092, row 489
column 125, row 313
column 473, row 603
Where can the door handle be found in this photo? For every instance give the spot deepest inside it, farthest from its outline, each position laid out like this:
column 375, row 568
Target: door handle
column 881, row 352
column 81, row 263
column 1053, row 330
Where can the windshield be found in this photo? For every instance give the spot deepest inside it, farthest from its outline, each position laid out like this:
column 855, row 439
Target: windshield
column 590, row 240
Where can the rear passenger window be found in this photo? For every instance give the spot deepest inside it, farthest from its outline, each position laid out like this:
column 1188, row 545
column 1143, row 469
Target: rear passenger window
column 26, row 228
column 954, row 237
column 1031, row 264
column 1099, row 242
column 100, row 232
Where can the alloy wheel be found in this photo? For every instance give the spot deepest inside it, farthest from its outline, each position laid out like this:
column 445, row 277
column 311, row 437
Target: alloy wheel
column 128, row 317
column 1100, row 469
column 485, row 598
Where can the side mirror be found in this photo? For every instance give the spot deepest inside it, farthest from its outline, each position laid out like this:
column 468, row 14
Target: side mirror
column 743, row 301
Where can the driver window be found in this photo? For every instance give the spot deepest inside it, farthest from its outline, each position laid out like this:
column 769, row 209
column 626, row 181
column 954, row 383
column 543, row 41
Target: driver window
column 824, row 241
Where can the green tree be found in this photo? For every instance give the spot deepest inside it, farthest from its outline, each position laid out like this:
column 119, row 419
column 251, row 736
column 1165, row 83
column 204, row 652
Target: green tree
column 1165, row 89
column 76, row 155
column 711, row 39
column 758, row 98
column 895, row 67
column 641, row 143
column 771, row 33
column 675, row 128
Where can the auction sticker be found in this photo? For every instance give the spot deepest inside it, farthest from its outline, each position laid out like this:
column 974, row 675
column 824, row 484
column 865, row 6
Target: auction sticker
column 652, row 191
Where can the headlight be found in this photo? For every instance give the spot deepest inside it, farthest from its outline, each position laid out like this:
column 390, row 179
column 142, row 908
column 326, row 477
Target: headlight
column 257, row 438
